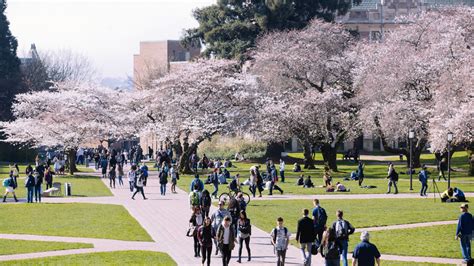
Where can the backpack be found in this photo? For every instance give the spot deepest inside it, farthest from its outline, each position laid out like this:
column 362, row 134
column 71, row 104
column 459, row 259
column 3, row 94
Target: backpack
column 341, row 231
column 6, row 182
column 395, row 176
column 195, row 199
column 322, row 217
column 332, row 251
column 275, row 231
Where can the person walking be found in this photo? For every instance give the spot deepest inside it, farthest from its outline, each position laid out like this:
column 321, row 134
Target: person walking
column 195, row 197
column 274, row 180
column 163, row 176
column 423, row 176
column 205, row 236
column 365, row 253
column 226, row 240
column 120, row 173
column 329, row 248
column 196, row 221
column 103, row 164
column 198, row 182
column 48, row 177
column 282, row 170
column 215, row 182
column 112, row 176
column 30, row 186
column 253, row 180
column 10, row 185
column 217, row 218
column 464, row 232
column 305, row 235
column 244, row 231
column 360, row 172
column 320, row 218
column 174, row 178
column 38, row 182
column 206, row 202
column 139, row 187
column 343, row 229
column 234, row 210
column 131, row 175
column 280, row 240
column 392, row 179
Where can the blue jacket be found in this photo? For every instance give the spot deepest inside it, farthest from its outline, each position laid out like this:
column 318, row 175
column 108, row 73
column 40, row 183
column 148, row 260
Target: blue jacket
column 465, row 224
column 423, row 176
column 198, row 182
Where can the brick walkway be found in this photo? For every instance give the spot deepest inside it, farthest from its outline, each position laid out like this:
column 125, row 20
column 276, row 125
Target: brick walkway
column 166, row 220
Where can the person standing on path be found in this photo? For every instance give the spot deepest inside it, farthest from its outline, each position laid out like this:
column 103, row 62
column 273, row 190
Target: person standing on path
column 196, row 221
column 139, row 187
column 112, row 176
column 319, row 218
column 198, row 182
column 226, row 240
column 174, row 178
column 38, row 182
column 215, row 182
column 30, row 186
column 48, row 177
column 132, row 175
column 244, row 231
column 305, row 236
column 392, row 177
column 120, row 173
column 163, row 176
column 10, row 185
column 217, row 218
column 205, row 235
column 343, row 229
column 365, row 253
column 280, row 240
column 282, row 170
column 464, row 232
column 423, row 176
column 206, row 202
column 329, row 248
column 274, row 180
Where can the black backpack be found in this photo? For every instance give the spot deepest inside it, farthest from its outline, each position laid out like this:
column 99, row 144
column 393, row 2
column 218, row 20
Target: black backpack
column 275, row 231
column 332, row 251
column 206, row 200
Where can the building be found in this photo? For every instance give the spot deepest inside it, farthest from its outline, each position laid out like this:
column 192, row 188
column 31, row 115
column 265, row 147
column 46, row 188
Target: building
column 155, row 59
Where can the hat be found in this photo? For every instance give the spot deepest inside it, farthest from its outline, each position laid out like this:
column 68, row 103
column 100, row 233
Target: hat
column 464, row 206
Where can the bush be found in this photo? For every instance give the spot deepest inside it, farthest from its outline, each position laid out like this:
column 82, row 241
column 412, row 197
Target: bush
column 226, row 147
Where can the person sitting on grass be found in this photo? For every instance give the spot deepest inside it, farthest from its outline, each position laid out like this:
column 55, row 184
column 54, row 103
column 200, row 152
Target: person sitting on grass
column 308, row 183
column 453, row 195
column 459, row 195
column 297, row 168
column 341, row 188
column 300, row 181
column 327, row 177
column 354, row 175
column 447, row 195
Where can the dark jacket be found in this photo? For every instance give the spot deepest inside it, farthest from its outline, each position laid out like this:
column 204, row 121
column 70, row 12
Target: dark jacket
column 305, row 232
column 465, row 224
column 244, row 226
column 220, row 237
column 30, row 181
column 205, row 235
column 350, row 230
column 163, row 178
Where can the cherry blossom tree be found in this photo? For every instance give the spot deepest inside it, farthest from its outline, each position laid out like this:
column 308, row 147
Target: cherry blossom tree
column 195, row 102
column 69, row 116
column 305, row 88
column 399, row 82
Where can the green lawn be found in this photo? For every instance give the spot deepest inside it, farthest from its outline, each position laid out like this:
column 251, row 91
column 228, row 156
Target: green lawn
column 361, row 213
column 434, row 241
column 10, row 246
column 82, row 186
column 73, row 219
column 102, row 258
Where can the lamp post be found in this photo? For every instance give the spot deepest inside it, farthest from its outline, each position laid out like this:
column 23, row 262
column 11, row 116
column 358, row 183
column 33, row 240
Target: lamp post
column 411, row 136
column 450, row 139
column 381, row 20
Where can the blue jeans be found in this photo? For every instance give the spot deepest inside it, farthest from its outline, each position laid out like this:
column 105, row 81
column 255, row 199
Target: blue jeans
column 424, row 188
column 216, row 188
column 29, row 194
column 306, row 249
column 38, row 193
column 466, row 247
column 282, row 176
column 163, row 189
column 344, row 246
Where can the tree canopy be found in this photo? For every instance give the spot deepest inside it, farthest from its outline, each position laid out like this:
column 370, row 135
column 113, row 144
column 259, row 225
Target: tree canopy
column 230, row 27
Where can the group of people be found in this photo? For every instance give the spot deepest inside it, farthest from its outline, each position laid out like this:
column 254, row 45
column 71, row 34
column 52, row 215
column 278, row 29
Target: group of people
column 225, row 226
column 35, row 178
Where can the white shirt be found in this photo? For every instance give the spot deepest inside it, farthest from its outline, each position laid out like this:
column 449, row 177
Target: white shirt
column 226, row 235
column 282, row 166
column 131, row 176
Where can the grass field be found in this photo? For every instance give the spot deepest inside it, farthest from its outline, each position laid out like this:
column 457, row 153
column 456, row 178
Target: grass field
column 73, row 219
column 82, row 186
column 360, row 213
column 102, row 258
column 10, row 246
column 434, row 241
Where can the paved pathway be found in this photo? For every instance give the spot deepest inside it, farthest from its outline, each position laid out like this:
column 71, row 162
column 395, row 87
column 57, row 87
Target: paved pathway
column 166, row 220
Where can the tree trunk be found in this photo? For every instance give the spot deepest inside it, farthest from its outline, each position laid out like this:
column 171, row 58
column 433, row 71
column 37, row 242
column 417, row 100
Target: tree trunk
column 329, row 156
column 184, row 157
column 308, row 156
column 470, row 158
column 71, row 156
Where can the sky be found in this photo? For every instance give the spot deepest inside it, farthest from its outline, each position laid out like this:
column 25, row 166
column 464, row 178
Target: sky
column 108, row 32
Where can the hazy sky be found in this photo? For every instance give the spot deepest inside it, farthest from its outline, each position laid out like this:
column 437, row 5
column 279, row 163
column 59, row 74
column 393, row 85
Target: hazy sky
column 106, row 31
